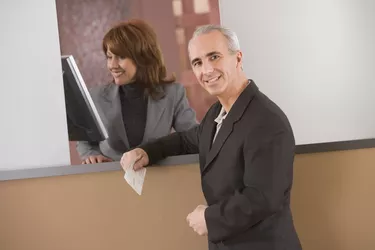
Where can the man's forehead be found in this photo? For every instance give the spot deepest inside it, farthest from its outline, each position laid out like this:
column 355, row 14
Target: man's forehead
column 204, row 44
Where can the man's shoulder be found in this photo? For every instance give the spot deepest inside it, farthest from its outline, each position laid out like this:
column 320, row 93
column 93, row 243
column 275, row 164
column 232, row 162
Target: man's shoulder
column 212, row 112
column 267, row 113
column 215, row 107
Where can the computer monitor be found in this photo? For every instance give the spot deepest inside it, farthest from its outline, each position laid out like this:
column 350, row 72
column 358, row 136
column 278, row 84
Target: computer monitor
column 84, row 122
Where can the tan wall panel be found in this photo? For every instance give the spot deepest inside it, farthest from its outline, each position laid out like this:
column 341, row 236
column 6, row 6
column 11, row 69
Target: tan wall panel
column 333, row 200
column 332, row 204
column 100, row 211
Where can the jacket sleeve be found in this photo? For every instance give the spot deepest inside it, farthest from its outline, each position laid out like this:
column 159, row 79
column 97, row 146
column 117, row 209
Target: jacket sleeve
column 184, row 117
column 268, row 165
column 178, row 143
column 86, row 149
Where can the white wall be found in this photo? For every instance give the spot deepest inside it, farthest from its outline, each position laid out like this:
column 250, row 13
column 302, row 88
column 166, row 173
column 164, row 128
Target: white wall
column 32, row 107
column 315, row 59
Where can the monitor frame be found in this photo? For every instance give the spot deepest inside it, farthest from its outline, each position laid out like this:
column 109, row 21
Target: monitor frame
column 69, row 70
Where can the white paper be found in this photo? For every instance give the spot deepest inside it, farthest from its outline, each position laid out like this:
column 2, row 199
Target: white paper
column 135, row 178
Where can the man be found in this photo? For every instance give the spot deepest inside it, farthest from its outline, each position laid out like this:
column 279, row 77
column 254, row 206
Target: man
column 246, row 153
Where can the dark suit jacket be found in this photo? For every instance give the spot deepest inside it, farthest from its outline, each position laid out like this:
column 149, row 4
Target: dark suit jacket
column 170, row 112
column 246, row 173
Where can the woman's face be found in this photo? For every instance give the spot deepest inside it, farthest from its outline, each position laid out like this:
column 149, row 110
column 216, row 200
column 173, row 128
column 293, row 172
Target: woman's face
column 122, row 69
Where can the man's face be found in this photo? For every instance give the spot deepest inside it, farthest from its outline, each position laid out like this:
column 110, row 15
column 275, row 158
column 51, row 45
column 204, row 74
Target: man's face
column 213, row 64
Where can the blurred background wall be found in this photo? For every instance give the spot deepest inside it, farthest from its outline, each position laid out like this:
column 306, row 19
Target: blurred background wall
column 83, row 23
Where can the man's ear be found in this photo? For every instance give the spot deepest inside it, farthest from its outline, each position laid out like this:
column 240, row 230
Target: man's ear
column 239, row 59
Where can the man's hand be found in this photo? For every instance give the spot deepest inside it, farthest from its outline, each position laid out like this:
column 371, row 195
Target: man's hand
column 137, row 156
column 92, row 159
column 197, row 221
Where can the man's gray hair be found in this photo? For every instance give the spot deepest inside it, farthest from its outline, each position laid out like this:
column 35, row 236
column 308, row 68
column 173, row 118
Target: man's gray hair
column 233, row 43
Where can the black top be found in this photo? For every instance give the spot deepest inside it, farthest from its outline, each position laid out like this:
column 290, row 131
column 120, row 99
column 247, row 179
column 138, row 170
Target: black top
column 134, row 112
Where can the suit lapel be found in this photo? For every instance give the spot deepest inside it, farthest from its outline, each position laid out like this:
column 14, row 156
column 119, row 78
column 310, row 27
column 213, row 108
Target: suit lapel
column 113, row 111
column 226, row 129
column 155, row 110
column 224, row 132
column 208, row 131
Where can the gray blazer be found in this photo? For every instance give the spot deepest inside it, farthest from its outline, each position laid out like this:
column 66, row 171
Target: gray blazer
column 170, row 112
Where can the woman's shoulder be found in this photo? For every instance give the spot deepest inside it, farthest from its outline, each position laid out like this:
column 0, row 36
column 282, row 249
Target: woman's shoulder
column 101, row 90
column 98, row 88
column 174, row 90
column 170, row 94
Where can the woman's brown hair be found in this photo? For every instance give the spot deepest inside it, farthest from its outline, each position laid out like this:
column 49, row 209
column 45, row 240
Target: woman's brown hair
column 136, row 40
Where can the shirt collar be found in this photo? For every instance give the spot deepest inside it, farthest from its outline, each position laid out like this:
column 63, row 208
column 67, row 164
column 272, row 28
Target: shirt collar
column 222, row 115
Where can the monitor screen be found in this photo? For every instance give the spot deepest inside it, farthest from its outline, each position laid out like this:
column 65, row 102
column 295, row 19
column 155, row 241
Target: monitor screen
column 84, row 122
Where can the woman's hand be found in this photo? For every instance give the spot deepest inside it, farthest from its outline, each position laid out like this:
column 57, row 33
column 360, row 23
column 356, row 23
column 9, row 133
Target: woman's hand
column 92, row 159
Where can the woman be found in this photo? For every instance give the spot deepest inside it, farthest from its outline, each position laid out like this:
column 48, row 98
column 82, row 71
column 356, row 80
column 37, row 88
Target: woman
column 142, row 103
